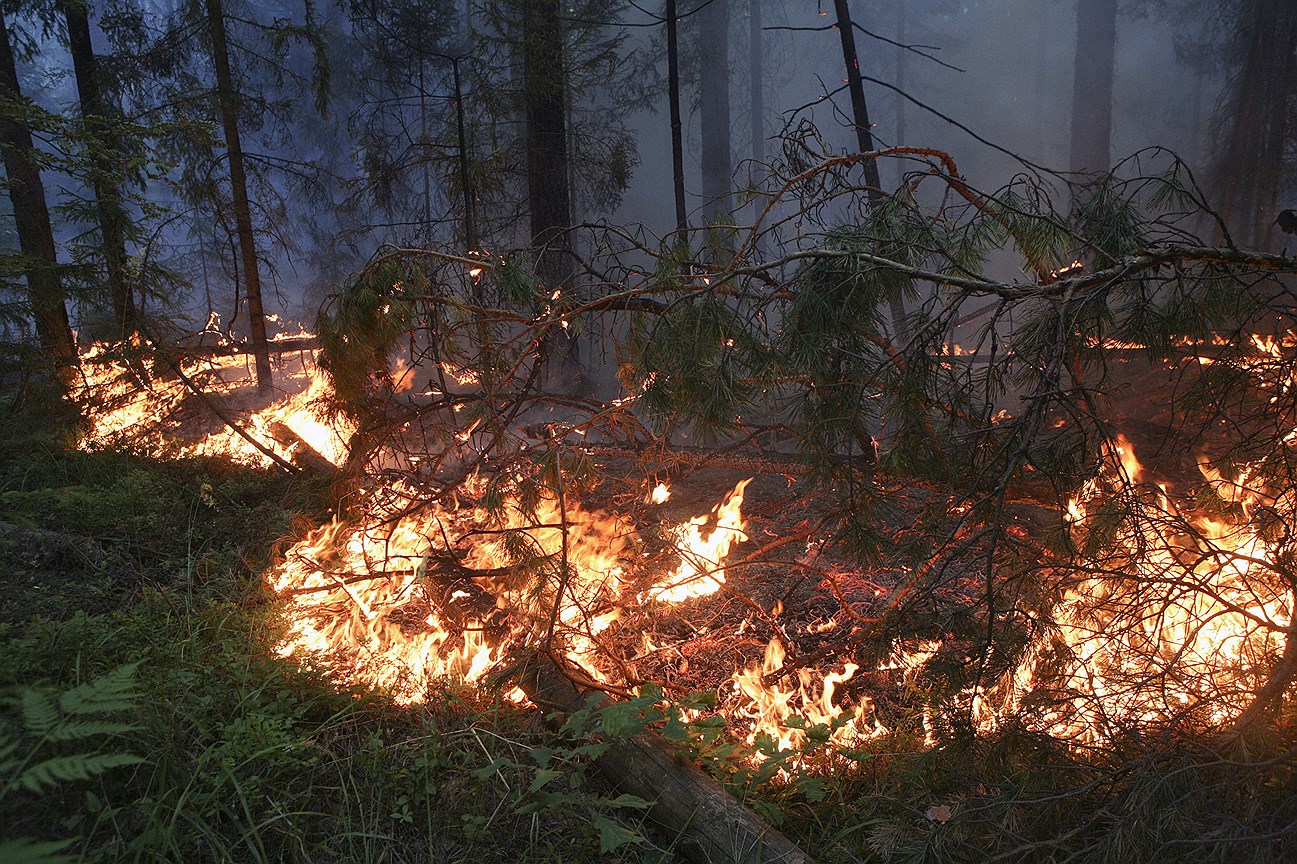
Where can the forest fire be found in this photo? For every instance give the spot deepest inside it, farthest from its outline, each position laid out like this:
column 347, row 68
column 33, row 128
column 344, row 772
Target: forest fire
column 138, row 404
column 1176, row 613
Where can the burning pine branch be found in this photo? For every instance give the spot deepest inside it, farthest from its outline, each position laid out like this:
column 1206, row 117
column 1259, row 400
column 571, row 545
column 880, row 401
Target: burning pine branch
column 1001, row 555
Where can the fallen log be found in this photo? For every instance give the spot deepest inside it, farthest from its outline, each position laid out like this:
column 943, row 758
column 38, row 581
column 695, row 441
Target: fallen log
column 302, row 454
column 711, row 827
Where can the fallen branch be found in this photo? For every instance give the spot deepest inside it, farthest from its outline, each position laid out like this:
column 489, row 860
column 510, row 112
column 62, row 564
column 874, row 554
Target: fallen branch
column 228, row 420
column 711, row 827
column 231, row 349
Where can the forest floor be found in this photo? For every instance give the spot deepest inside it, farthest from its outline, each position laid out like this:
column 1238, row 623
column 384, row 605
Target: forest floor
column 131, row 597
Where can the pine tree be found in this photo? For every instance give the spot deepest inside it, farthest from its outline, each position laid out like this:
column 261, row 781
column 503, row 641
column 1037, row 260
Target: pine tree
column 31, row 213
column 105, row 147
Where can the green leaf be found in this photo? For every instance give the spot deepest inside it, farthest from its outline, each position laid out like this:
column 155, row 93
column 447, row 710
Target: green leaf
column 487, row 771
column 614, row 835
column 622, row 719
column 542, row 755
column 633, row 802
column 543, row 777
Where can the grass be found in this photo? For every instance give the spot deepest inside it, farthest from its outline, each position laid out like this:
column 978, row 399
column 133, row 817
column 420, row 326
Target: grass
column 224, row 752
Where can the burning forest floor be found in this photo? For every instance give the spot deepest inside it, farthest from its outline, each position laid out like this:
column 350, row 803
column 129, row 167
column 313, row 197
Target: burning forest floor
column 349, row 666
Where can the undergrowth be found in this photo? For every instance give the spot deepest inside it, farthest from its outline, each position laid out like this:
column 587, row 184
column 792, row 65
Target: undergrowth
column 141, row 578
column 147, row 718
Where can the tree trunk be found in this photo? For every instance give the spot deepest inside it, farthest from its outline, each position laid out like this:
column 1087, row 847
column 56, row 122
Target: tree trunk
column 106, row 148
column 756, row 80
column 714, row 106
column 545, row 95
column 901, row 37
column 1251, row 168
column 865, row 138
column 229, row 99
column 32, row 218
column 465, row 177
column 677, row 143
column 1096, row 41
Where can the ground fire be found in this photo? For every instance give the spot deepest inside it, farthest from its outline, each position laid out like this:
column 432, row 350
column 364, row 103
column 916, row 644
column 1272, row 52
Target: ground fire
column 1176, row 613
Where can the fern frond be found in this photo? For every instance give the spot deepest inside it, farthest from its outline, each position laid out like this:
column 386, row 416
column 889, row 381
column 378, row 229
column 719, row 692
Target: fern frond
column 24, row 850
column 114, row 691
column 78, row 730
column 77, row 766
column 40, row 711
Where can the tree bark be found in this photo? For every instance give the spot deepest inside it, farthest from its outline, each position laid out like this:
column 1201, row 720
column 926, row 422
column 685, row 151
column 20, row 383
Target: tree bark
column 714, row 106
column 677, row 142
column 229, row 100
column 105, row 146
column 1251, row 167
column 32, row 218
column 1096, row 41
column 864, row 137
column 756, row 81
column 547, row 157
column 545, row 96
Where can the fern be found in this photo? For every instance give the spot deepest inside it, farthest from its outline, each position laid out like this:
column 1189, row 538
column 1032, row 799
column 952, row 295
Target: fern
column 51, row 721
column 78, row 766
column 27, row 851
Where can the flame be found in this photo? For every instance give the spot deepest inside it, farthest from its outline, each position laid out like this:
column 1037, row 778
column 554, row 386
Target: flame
column 700, row 573
column 401, row 376
column 135, row 405
column 1186, row 616
column 770, row 708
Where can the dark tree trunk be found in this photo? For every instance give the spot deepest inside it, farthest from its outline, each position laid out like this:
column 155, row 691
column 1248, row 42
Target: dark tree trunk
column 106, row 147
column 1251, row 167
column 465, row 177
column 677, row 142
column 901, row 37
column 229, row 100
column 864, row 138
column 1096, row 41
column 32, row 217
column 550, row 200
column 714, row 106
column 756, row 80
